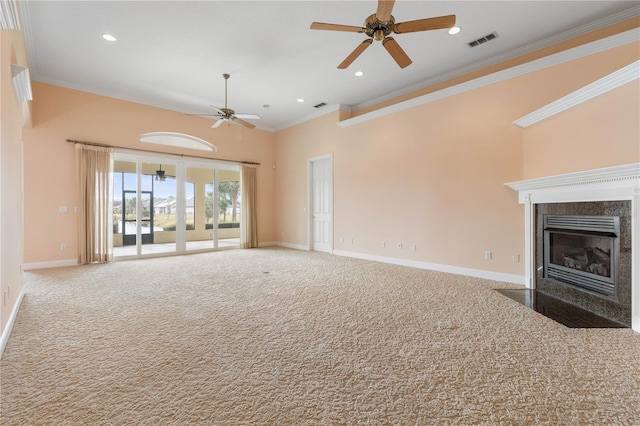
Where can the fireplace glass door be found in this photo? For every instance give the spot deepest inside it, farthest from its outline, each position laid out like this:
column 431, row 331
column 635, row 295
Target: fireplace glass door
column 584, row 258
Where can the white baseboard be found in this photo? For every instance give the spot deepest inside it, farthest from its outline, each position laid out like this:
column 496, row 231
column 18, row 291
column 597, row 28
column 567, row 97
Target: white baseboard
column 291, row 246
column 52, row 264
column 266, row 243
column 12, row 319
column 476, row 273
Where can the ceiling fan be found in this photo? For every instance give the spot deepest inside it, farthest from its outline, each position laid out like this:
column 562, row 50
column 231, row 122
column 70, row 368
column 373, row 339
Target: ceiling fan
column 378, row 27
column 227, row 115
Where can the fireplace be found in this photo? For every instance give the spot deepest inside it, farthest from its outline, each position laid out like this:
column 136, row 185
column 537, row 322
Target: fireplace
column 582, row 252
column 607, row 193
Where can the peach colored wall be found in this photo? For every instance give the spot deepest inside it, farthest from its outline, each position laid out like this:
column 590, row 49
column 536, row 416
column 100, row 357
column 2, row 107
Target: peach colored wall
column 296, row 145
column 61, row 113
column 601, row 132
column 12, row 50
column 432, row 175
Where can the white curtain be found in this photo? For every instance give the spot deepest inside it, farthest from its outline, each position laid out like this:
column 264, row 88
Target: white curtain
column 248, row 215
column 94, row 167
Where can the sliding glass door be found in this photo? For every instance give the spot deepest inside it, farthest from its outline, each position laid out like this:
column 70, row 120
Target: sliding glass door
column 130, row 217
column 228, row 196
column 199, row 235
column 213, row 204
column 167, row 205
column 159, row 208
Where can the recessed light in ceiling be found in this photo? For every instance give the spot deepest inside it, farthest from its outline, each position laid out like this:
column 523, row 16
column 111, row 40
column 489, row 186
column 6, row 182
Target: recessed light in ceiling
column 454, row 30
column 359, row 73
column 108, row 37
column 300, row 100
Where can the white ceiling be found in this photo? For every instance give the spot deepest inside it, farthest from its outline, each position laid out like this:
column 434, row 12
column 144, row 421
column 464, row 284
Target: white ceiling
column 172, row 54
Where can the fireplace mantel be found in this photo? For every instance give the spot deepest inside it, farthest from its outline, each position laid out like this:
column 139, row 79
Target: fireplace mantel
column 606, row 184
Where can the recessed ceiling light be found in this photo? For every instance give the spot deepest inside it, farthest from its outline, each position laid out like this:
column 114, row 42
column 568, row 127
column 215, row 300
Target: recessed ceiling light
column 454, row 30
column 108, row 37
column 359, row 73
column 300, row 100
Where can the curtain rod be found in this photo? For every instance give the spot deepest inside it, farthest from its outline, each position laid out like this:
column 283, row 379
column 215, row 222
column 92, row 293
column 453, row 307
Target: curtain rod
column 103, row 145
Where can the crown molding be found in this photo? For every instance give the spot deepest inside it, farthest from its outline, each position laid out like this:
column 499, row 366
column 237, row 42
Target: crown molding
column 323, row 111
column 9, row 17
column 616, row 79
column 536, row 65
column 21, row 82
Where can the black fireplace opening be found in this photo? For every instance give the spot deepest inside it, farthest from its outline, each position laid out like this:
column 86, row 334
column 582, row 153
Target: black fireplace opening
column 582, row 252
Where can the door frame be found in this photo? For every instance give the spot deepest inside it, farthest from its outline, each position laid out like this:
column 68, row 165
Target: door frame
column 309, row 207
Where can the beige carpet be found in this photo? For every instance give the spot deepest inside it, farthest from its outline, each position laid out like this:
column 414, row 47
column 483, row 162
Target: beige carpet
column 276, row 336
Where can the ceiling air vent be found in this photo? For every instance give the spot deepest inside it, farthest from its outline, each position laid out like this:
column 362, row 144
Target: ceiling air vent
column 320, row 105
column 483, row 40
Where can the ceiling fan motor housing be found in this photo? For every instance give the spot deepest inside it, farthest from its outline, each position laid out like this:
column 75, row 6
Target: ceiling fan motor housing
column 227, row 112
column 376, row 29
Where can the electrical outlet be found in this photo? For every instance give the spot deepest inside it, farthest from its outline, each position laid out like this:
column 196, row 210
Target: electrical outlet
column 383, row 244
column 515, row 258
column 487, row 255
column 413, row 247
column 400, row 246
column 63, row 246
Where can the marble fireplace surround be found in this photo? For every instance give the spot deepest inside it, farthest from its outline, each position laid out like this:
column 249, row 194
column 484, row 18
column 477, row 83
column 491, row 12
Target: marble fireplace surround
column 606, row 184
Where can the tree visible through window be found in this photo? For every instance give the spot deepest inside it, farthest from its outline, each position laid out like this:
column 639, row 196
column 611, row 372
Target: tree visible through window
column 228, row 202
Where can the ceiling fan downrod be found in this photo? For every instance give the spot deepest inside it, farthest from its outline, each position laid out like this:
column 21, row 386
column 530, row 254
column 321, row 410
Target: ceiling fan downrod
column 226, row 77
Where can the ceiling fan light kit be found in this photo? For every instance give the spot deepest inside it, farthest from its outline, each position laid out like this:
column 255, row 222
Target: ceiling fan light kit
column 227, row 115
column 160, row 177
column 380, row 25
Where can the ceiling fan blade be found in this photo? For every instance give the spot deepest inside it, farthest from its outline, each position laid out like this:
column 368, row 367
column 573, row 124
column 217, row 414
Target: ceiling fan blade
column 218, row 123
column 247, row 116
column 336, row 27
column 244, row 123
column 384, row 10
column 220, row 111
column 396, row 52
column 437, row 23
column 356, row 52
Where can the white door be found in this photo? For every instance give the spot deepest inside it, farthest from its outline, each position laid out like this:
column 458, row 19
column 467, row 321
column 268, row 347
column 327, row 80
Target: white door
column 321, row 203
